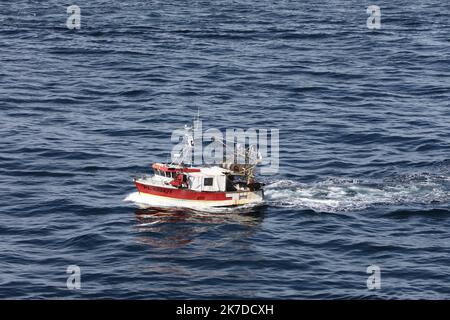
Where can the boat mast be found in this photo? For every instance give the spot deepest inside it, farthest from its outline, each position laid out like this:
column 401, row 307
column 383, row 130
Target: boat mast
column 185, row 156
column 251, row 158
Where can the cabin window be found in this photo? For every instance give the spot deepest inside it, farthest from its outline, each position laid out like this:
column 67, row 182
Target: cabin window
column 208, row 182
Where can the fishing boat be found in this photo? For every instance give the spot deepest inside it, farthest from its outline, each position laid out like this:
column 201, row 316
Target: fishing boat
column 181, row 184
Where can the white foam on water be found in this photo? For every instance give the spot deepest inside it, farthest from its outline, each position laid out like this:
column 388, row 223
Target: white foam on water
column 341, row 195
column 146, row 224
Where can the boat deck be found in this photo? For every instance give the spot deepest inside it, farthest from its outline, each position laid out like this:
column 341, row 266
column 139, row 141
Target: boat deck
column 154, row 181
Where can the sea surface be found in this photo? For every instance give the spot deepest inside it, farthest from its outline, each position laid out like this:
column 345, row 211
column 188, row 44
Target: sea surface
column 364, row 174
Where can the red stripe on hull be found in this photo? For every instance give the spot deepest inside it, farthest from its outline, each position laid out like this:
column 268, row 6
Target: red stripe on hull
column 181, row 193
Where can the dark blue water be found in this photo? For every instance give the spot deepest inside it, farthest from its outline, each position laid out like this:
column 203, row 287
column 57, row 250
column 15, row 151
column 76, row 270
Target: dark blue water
column 364, row 125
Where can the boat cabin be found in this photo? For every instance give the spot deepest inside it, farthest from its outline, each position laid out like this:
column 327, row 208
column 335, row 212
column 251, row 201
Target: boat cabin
column 212, row 179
